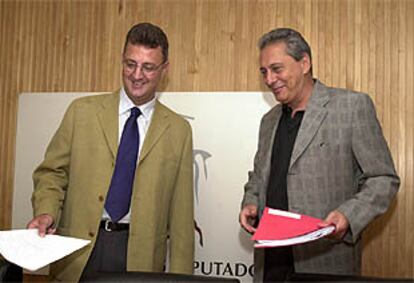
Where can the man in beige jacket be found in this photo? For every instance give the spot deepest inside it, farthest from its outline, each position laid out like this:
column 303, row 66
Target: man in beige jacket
column 72, row 183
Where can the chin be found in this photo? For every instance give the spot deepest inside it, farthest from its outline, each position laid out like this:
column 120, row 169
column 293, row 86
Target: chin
column 137, row 92
column 280, row 98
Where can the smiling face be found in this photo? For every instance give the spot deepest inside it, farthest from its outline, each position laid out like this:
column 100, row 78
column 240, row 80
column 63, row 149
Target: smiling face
column 143, row 69
column 283, row 75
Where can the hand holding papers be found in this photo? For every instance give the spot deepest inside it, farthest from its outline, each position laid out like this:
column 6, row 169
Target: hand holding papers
column 32, row 252
column 282, row 228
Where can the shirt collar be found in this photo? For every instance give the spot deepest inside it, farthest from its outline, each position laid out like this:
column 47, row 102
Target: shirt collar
column 125, row 104
column 287, row 111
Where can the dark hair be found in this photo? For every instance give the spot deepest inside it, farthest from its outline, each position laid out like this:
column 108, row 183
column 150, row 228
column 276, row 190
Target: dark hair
column 148, row 35
column 296, row 45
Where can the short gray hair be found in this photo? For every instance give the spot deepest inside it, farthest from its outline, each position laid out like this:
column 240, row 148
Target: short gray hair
column 296, row 45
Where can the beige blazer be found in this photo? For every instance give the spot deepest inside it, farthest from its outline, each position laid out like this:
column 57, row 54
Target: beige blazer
column 71, row 184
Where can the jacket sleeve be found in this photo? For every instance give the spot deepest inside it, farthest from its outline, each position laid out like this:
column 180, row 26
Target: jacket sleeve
column 257, row 178
column 181, row 222
column 378, row 181
column 51, row 177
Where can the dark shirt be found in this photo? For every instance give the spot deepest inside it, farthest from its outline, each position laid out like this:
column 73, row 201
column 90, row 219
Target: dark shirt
column 278, row 263
column 284, row 141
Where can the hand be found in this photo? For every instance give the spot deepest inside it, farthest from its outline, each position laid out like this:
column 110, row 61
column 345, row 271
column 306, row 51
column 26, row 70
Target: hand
column 341, row 224
column 43, row 223
column 248, row 215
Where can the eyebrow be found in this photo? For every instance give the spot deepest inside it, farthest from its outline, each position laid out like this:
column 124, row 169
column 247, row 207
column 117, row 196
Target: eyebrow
column 277, row 64
column 143, row 63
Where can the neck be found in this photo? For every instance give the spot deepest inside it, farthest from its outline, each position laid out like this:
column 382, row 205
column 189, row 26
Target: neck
column 140, row 101
column 300, row 104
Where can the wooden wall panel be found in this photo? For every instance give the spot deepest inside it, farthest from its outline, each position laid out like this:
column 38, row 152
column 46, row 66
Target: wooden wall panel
column 366, row 45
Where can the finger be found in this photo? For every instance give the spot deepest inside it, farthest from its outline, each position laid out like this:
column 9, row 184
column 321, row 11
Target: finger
column 336, row 235
column 51, row 231
column 249, row 228
column 340, row 230
column 31, row 225
column 324, row 224
column 245, row 223
column 42, row 230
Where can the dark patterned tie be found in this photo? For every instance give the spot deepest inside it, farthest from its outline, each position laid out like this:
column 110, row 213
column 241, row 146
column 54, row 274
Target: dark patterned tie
column 118, row 199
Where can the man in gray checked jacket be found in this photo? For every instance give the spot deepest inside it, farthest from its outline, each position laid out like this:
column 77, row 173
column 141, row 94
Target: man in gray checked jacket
column 322, row 153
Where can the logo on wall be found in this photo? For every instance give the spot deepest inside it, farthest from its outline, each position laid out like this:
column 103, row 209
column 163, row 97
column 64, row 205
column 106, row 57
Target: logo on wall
column 215, row 264
column 197, row 165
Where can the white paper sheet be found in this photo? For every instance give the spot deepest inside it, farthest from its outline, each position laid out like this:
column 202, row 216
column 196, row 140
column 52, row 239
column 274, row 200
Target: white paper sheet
column 27, row 249
column 312, row 236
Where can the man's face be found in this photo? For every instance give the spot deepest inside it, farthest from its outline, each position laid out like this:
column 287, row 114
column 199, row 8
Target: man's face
column 143, row 69
column 282, row 74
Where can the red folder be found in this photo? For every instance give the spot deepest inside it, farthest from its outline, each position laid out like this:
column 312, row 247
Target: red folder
column 282, row 225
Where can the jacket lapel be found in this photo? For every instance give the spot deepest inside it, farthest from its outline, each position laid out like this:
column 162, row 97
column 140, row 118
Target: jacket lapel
column 269, row 130
column 315, row 113
column 159, row 124
column 108, row 119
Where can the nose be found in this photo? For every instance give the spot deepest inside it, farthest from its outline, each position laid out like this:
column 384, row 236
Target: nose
column 137, row 73
column 270, row 78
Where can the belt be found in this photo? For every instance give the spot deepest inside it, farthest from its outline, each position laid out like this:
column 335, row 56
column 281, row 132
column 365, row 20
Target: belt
column 110, row 226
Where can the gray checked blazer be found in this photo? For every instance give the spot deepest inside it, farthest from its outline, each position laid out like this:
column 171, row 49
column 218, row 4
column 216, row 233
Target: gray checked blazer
column 340, row 161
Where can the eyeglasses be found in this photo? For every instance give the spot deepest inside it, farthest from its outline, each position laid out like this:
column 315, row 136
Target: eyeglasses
column 130, row 66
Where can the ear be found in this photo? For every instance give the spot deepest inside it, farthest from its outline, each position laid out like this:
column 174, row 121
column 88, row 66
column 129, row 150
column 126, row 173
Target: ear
column 306, row 64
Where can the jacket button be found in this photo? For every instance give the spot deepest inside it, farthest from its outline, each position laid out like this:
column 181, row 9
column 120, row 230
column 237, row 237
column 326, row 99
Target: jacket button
column 91, row 234
column 101, row 198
